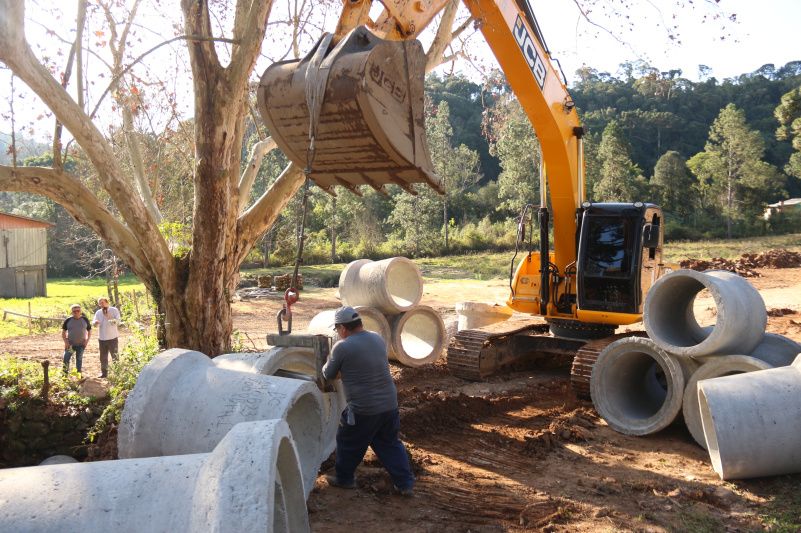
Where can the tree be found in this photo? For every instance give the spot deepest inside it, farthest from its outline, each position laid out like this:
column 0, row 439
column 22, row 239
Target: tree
column 514, row 143
column 458, row 169
column 620, row 179
column 788, row 113
column 671, row 183
column 732, row 169
column 193, row 290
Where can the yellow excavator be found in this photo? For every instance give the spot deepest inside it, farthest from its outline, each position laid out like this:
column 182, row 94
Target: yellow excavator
column 351, row 114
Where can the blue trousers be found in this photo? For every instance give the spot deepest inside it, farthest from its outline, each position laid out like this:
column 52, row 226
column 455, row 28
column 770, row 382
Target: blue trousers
column 78, row 357
column 379, row 432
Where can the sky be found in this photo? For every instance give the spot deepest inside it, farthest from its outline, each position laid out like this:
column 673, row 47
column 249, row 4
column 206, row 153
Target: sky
column 766, row 31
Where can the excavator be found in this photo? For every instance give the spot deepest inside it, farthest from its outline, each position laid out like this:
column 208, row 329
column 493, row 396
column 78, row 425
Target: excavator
column 351, row 113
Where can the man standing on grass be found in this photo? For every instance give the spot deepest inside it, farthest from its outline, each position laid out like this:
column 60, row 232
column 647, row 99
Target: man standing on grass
column 106, row 319
column 75, row 331
column 371, row 418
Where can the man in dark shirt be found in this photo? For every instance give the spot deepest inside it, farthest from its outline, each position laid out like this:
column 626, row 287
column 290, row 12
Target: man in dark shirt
column 371, row 418
column 75, row 331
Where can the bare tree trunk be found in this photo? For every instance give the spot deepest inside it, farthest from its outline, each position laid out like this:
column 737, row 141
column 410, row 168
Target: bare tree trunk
column 445, row 219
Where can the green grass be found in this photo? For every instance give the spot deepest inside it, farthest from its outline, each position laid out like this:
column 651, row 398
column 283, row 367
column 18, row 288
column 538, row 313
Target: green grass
column 61, row 293
column 495, row 265
column 782, row 513
column 729, row 248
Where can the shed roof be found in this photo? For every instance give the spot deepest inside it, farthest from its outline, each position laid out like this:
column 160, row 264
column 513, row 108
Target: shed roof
column 786, row 203
column 8, row 221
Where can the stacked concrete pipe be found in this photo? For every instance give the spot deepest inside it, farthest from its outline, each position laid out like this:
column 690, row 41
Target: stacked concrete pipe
column 182, row 403
column 250, row 481
column 752, row 422
column 418, row 337
column 713, row 367
column 391, row 285
column 670, row 321
column 623, row 385
column 637, row 387
column 300, row 361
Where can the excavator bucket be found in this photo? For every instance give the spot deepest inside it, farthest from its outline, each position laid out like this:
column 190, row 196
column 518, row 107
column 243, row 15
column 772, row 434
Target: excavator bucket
column 352, row 116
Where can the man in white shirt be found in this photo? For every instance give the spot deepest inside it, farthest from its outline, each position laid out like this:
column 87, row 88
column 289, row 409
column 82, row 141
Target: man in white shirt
column 106, row 319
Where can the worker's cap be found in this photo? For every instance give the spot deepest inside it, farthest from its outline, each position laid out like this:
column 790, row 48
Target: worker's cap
column 345, row 315
column 73, row 307
column 101, row 300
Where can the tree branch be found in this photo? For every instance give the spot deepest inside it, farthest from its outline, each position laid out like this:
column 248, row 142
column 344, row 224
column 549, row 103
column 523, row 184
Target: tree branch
column 443, row 37
column 257, row 153
column 263, row 213
column 18, row 56
column 68, row 191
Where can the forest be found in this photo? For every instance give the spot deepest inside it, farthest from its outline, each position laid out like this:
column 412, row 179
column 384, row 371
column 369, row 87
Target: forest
column 713, row 153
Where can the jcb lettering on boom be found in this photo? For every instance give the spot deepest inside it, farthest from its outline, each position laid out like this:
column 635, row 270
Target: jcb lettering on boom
column 526, row 45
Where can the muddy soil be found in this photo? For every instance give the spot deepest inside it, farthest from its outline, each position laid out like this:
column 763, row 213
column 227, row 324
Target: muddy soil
column 519, row 452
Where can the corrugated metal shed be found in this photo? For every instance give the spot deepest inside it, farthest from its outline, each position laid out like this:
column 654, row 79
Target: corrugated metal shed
column 18, row 222
column 23, row 256
column 23, row 247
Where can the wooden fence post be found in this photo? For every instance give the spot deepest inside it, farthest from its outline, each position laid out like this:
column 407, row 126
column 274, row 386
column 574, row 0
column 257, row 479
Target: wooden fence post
column 30, row 320
column 136, row 304
column 46, row 383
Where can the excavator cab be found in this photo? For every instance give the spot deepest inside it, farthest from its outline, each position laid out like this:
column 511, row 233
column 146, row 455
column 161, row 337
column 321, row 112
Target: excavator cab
column 351, row 114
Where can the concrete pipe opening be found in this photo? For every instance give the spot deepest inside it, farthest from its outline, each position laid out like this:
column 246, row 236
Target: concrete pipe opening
column 752, row 422
column 670, row 317
column 636, row 386
column 392, row 285
column 418, row 337
column 183, row 403
column 713, row 367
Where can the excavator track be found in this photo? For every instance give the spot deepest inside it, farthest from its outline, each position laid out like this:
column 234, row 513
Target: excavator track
column 586, row 356
column 475, row 354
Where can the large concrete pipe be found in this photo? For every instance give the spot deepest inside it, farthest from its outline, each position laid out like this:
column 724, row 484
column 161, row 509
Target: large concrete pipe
column 713, row 367
column 183, row 403
column 249, row 482
column 372, row 320
column 418, row 337
column 671, row 323
column 391, row 285
column 777, row 350
column 637, row 387
column 752, row 422
column 477, row 314
column 301, row 361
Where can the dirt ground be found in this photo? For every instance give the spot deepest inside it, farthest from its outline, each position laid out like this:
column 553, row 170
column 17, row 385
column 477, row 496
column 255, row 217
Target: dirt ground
column 519, row 452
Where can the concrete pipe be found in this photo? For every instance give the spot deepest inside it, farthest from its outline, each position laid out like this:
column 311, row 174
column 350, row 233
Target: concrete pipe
column 477, row 314
column 752, row 422
column 58, row 460
column 637, row 387
column 418, row 337
column 670, row 321
column 249, row 482
column 777, row 350
column 182, row 403
column 713, row 367
column 391, row 285
column 372, row 320
column 294, row 359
